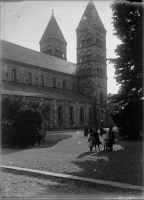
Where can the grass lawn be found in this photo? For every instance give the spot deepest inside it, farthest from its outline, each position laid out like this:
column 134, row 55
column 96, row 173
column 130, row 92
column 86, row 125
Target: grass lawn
column 53, row 139
column 68, row 153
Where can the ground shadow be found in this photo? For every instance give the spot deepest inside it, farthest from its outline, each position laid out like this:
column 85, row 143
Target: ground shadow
column 124, row 164
column 85, row 154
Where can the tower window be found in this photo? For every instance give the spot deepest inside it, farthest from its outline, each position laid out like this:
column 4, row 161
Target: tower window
column 89, row 56
column 98, row 57
column 88, row 39
column 101, row 98
column 13, row 75
column 49, row 51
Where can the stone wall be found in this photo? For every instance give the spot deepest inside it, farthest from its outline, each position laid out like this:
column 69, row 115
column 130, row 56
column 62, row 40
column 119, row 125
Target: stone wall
column 37, row 73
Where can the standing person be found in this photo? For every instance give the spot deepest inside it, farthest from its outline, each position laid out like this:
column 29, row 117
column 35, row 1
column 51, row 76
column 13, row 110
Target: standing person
column 90, row 130
column 111, row 135
column 96, row 139
column 90, row 140
column 104, row 138
column 101, row 131
column 107, row 140
column 86, row 131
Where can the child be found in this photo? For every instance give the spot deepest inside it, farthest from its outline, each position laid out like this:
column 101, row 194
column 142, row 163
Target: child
column 90, row 140
column 96, row 140
column 104, row 139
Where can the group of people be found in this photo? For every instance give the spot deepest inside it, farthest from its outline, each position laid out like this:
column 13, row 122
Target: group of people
column 106, row 138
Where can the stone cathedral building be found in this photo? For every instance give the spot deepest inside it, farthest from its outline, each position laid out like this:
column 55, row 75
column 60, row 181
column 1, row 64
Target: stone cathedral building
column 77, row 92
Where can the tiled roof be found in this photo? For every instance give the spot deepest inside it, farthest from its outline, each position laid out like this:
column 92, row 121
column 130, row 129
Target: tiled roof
column 24, row 55
column 90, row 17
column 14, row 88
column 53, row 31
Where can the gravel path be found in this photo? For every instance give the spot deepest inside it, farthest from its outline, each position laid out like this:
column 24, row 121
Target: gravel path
column 72, row 156
column 16, row 185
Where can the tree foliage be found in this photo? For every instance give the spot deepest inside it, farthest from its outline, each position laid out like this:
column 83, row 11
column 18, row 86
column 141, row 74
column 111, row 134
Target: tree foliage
column 128, row 26
column 23, row 121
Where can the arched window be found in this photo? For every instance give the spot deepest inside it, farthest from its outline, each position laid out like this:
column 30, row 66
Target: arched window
column 102, row 42
column 98, row 57
column 102, row 58
column 59, row 52
column 71, row 113
column 101, row 98
column 73, row 86
column 82, row 114
column 49, row 50
column 13, row 75
column 64, row 84
column 82, row 41
column 89, row 55
column 42, row 80
column 82, row 57
column 98, row 41
column 90, row 114
column 60, row 113
column 54, row 82
column 29, row 78
column 88, row 39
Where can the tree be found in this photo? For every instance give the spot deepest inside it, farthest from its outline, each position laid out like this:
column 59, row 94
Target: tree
column 128, row 26
column 23, row 121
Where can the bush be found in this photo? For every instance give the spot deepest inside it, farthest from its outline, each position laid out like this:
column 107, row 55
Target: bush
column 22, row 123
column 28, row 125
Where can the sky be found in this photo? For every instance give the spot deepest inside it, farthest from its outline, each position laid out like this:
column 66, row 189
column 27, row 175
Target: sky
column 24, row 22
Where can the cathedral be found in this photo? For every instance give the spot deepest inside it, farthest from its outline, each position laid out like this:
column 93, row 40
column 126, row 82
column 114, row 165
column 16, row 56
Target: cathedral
column 77, row 92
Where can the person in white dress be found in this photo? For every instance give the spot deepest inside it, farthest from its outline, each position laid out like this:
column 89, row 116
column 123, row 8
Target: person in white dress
column 90, row 142
column 104, row 138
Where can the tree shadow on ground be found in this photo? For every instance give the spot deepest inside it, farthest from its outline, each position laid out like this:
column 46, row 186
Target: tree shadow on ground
column 85, row 154
column 123, row 164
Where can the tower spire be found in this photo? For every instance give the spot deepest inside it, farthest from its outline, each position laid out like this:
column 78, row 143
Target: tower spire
column 52, row 12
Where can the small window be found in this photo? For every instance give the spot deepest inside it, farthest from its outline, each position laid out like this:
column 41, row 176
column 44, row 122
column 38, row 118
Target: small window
column 42, row 80
column 81, row 114
column 71, row 113
column 54, row 82
column 73, row 86
column 60, row 114
column 101, row 98
column 13, row 75
column 64, row 84
column 36, row 80
column 29, row 78
column 90, row 114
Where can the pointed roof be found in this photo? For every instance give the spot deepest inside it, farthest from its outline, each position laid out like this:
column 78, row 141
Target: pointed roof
column 53, row 31
column 90, row 17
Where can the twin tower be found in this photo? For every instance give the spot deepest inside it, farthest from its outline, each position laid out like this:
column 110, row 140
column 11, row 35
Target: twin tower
column 91, row 54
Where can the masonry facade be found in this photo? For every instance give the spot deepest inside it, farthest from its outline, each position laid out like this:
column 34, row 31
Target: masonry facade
column 77, row 92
